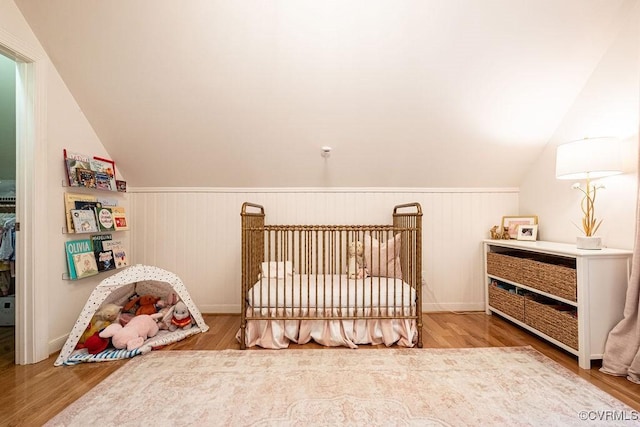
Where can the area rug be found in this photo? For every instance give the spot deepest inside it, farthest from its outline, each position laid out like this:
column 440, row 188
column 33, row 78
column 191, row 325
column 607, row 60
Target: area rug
column 513, row 386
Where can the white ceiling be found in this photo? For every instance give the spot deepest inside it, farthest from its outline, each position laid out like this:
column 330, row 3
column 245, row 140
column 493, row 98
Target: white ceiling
column 424, row 93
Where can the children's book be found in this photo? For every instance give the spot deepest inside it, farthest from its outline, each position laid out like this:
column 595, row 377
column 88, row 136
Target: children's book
column 70, row 265
column 119, row 218
column 84, row 221
column 103, row 181
column 121, row 186
column 102, row 252
column 74, row 161
column 105, row 219
column 80, row 259
column 70, row 200
column 86, row 178
column 85, row 264
column 107, row 167
column 119, row 252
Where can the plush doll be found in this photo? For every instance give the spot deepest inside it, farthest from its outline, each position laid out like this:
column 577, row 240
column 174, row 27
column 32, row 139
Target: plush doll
column 108, row 312
column 143, row 304
column 181, row 317
column 95, row 344
column 106, row 315
column 355, row 266
column 133, row 334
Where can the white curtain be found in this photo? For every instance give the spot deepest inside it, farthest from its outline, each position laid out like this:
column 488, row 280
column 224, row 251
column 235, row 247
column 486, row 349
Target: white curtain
column 622, row 350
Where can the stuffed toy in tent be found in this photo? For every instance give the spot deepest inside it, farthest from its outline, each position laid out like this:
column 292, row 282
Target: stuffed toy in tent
column 124, row 289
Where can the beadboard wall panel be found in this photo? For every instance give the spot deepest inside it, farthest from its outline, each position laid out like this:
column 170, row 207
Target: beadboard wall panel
column 195, row 233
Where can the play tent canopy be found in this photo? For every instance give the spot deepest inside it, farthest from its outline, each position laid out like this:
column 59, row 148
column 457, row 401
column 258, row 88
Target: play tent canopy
column 117, row 289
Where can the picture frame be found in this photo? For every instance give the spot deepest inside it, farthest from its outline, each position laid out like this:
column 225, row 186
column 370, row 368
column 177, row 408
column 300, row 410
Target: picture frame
column 511, row 223
column 527, row 232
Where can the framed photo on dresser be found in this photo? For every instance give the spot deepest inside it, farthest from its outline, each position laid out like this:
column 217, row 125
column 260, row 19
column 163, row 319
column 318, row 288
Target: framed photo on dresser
column 511, row 223
column 527, row 232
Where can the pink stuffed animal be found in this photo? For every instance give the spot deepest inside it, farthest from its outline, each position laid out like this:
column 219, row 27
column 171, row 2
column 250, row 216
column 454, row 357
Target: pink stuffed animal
column 133, row 334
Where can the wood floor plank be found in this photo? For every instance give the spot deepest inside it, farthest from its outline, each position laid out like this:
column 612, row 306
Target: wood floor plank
column 32, row 394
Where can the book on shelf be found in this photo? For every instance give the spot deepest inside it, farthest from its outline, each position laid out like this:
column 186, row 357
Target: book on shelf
column 101, row 252
column 119, row 218
column 121, row 186
column 70, row 200
column 70, row 265
column 81, row 259
column 105, row 219
column 106, row 167
column 86, row 178
column 74, row 161
column 103, row 181
column 118, row 250
column 84, row 221
column 107, row 201
column 89, row 206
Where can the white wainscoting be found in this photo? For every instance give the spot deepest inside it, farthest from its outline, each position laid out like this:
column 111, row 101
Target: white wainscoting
column 195, row 233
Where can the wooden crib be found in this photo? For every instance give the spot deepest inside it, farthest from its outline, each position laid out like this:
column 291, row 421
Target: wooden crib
column 298, row 283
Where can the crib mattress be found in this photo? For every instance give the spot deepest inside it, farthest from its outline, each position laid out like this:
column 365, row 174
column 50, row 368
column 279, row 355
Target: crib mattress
column 299, row 291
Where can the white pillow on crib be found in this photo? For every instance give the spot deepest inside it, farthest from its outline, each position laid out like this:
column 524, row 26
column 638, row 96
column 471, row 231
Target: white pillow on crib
column 276, row 269
column 389, row 257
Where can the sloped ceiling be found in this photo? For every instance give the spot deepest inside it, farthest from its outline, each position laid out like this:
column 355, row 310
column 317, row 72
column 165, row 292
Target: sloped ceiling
column 428, row 93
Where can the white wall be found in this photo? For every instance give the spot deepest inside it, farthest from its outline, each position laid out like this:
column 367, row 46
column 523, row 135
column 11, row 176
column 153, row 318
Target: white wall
column 607, row 106
column 65, row 127
column 195, row 233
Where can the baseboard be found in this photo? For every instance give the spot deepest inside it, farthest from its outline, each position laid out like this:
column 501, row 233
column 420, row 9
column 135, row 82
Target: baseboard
column 219, row 308
column 444, row 307
column 56, row 344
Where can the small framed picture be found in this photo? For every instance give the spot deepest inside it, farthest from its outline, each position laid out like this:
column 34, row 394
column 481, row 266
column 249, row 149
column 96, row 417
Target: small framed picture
column 527, row 232
column 511, row 223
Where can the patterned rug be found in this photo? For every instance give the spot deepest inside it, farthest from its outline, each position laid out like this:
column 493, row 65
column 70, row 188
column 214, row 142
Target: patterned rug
column 515, row 386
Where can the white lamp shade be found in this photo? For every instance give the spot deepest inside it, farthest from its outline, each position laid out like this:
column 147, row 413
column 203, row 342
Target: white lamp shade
column 589, row 158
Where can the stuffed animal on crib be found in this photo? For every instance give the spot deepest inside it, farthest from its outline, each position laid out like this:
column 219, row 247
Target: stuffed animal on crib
column 106, row 315
column 181, row 317
column 143, row 304
column 355, row 266
column 133, row 334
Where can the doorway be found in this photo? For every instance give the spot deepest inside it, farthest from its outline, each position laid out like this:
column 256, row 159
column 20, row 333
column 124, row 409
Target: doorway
column 31, row 329
column 7, row 208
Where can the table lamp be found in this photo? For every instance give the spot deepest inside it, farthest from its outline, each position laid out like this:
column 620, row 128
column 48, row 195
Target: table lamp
column 585, row 160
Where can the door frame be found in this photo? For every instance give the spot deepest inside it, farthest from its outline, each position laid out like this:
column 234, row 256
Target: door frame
column 31, row 332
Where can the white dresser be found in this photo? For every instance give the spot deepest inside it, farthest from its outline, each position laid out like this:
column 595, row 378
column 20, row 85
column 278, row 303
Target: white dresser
column 567, row 296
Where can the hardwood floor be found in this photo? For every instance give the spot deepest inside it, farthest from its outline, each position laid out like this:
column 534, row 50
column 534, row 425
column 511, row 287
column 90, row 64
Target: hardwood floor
column 35, row 393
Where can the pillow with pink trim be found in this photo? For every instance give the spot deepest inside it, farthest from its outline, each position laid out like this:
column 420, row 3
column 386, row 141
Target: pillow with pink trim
column 383, row 259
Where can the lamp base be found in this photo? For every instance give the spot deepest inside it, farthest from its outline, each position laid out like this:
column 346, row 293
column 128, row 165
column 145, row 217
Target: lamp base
column 589, row 242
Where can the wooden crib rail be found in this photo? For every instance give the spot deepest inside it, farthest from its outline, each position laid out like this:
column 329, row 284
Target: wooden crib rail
column 247, row 205
column 416, row 205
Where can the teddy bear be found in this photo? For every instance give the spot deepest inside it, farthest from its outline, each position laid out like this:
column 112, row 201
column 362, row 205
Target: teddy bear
column 181, row 317
column 143, row 304
column 106, row 315
column 133, row 334
column 498, row 234
column 355, row 266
